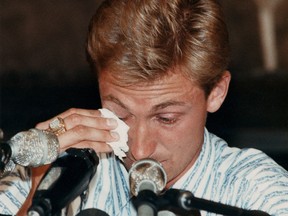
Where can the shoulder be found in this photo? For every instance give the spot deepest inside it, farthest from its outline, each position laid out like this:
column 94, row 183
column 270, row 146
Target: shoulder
column 250, row 178
column 246, row 162
column 14, row 190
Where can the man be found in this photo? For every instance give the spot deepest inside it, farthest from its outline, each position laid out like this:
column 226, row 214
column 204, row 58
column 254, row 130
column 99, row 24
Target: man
column 161, row 67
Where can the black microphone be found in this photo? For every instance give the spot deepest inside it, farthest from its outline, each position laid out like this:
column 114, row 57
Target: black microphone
column 92, row 212
column 147, row 178
column 30, row 148
column 67, row 178
column 184, row 200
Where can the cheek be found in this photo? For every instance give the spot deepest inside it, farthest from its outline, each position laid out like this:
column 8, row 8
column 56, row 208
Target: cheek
column 183, row 143
column 185, row 134
column 180, row 147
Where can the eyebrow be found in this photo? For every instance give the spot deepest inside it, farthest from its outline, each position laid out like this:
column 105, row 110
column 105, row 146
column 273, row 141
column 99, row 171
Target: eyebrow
column 154, row 108
column 167, row 104
column 115, row 100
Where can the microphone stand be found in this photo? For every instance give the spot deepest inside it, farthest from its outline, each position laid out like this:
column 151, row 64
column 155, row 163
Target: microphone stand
column 5, row 155
column 184, row 203
column 147, row 203
column 68, row 177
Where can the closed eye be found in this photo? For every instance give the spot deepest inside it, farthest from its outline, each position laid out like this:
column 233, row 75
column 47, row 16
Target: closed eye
column 167, row 121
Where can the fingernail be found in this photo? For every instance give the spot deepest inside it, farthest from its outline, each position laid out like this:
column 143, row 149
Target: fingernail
column 111, row 122
column 115, row 135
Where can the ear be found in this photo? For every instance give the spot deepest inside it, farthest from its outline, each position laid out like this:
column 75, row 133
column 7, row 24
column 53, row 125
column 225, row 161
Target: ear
column 218, row 93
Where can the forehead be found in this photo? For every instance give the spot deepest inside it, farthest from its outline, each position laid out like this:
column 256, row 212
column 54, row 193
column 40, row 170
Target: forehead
column 130, row 79
column 169, row 81
column 171, row 89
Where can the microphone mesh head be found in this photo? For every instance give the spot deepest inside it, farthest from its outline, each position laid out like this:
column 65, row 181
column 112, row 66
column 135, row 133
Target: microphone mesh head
column 147, row 171
column 34, row 148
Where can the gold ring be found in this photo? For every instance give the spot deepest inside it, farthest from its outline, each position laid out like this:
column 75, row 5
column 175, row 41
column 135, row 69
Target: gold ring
column 57, row 126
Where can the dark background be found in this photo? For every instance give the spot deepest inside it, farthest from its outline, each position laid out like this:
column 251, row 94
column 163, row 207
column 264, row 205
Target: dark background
column 43, row 71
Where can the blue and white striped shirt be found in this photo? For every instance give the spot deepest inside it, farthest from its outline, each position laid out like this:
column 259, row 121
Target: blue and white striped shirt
column 245, row 178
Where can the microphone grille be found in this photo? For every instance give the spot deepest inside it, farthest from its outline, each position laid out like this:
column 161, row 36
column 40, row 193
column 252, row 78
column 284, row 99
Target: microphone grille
column 147, row 172
column 34, row 147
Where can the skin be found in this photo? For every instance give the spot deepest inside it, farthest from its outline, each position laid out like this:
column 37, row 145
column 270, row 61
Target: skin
column 166, row 119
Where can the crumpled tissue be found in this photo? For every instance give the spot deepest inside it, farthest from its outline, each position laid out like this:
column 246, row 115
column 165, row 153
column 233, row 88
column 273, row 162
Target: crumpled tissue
column 119, row 147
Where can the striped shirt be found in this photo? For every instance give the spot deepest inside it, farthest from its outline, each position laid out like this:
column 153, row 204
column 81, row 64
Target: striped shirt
column 245, row 178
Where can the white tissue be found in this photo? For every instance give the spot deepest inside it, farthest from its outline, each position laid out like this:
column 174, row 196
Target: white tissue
column 119, row 147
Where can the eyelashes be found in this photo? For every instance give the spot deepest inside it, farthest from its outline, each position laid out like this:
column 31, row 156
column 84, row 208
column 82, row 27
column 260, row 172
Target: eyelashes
column 159, row 118
column 167, row 121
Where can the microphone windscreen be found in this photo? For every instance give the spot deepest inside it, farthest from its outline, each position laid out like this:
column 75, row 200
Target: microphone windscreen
column 147, row 174
column 92, row 212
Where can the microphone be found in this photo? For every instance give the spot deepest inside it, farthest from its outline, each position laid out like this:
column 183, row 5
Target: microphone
column 92, row 212
column 147, row 178
column 30, row 148
column 67, row 178
column 185, row 202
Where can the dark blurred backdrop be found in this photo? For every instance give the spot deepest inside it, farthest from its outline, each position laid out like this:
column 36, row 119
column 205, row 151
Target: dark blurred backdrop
column 43, row 70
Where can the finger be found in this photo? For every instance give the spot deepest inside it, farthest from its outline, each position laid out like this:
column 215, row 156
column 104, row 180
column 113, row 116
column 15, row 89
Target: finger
column 85, row 112
column 98, row 147
column 100, row 123
column 75, row 120
column 82, row 133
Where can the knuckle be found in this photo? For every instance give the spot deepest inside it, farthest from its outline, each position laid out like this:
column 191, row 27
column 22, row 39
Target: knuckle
column 90, row 144
column 72, row 111
column 38, row 125
column 75, row 118
column 42, row 125
column 109, row 137
column 94, row 112
column 80, row 130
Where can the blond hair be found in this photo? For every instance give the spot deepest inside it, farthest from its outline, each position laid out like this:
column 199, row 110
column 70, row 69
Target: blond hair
column 143, row 40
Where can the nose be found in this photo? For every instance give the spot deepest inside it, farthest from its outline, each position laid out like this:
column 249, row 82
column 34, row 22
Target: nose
column 142, row 141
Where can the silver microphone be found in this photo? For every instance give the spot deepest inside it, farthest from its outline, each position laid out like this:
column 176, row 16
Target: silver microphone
column 146, row 175
column 31, row 148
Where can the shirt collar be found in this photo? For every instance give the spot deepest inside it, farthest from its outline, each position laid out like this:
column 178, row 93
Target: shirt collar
column 195, row 179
